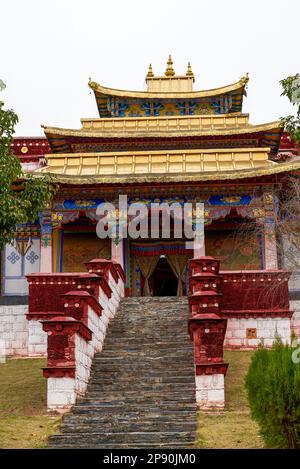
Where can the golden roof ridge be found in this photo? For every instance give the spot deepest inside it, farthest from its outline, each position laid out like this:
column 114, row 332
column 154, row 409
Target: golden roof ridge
column 249, row 128
column 98, row 88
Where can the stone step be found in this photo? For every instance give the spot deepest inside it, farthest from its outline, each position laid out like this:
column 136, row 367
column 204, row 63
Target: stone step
column 106, row 371
column 142, row 367
column 127, row 437
column 129, row 342
column 164, row 302
column 62, row 444
column 135, row 386
column 140, row 400
column 185, row 350
column 135, row 415
column 151, row 329
column 129, row 426
column 181, row 364
column 125, row 379
column 131, row 397
column 92, row 408
column 147, row 358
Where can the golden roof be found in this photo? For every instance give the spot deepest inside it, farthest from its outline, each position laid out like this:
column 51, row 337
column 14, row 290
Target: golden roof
column 165, row 126
column 163, row 166
column 103, row 90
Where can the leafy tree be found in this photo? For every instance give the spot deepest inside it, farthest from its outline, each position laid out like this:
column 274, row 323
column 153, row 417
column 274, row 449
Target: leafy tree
column 22, row 195
column 291, row 89
column 273, row 385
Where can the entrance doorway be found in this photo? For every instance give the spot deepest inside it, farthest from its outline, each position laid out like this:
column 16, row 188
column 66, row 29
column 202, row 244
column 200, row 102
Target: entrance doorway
column 163, row 281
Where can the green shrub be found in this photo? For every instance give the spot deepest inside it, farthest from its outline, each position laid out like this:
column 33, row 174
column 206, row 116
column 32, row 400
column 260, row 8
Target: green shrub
column 273, row 387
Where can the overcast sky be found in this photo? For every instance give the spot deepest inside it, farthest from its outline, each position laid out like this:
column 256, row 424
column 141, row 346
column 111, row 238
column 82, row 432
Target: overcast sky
column 50, row 49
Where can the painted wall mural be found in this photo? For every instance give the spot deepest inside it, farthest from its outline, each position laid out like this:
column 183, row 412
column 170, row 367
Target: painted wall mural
column 235, row 253
column 79, row 248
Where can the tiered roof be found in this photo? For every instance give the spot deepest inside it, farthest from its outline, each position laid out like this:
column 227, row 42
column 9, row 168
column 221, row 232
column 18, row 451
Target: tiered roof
column 167, row 133
column 203, row 131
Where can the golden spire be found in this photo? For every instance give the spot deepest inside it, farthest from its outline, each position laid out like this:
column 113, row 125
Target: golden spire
column 189, row 72
column 150, row 73
column 169, row 70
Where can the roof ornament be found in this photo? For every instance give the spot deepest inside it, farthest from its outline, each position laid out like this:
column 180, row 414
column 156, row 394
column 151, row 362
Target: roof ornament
column 244, row 80
column 150, row 73
column 189, row 72
column 169, row 70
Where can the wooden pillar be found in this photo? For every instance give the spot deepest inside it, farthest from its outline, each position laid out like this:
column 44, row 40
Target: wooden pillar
column 270, row 242
column 46, row 242
column 198, row 244
column 117, row 254
column 199, row 247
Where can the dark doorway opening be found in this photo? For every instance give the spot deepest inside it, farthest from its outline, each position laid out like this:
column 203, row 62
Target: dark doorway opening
column 164, row 281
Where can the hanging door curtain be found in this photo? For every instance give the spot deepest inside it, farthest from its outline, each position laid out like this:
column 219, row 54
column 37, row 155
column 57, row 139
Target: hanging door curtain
column 178, row 265
column 148, row 255
column 147, row 266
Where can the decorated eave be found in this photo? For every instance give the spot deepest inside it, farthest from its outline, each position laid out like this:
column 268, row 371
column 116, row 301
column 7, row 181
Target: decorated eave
column 114, row 102
column 170, row 132
column 167, row 95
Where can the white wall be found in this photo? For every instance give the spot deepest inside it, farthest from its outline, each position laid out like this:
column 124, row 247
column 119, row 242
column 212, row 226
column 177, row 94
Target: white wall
column 37, row 339
column 266, row 330
column 14, row 330
column 210, row 391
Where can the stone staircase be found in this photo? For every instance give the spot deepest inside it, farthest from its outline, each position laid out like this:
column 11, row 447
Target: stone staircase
column 142, row 388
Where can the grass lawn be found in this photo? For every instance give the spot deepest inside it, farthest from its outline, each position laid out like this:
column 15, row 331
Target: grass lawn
column 24, row 422
column 234, row 427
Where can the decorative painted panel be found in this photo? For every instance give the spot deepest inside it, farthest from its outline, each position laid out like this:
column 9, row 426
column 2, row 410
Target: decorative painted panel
column 32, row 258
column 18, row 260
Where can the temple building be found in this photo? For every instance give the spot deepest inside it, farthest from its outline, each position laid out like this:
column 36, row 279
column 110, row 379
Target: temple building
column 168, row 144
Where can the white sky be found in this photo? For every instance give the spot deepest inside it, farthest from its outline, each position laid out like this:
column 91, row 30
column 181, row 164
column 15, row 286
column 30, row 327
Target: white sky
column 48, row 50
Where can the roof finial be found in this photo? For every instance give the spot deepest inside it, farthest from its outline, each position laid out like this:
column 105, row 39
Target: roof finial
column 150, row 73
column 169, row 70
column 189, row 72
column 244, row 80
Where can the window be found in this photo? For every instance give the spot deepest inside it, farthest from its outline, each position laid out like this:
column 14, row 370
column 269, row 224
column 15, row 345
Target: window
column 251, row 333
